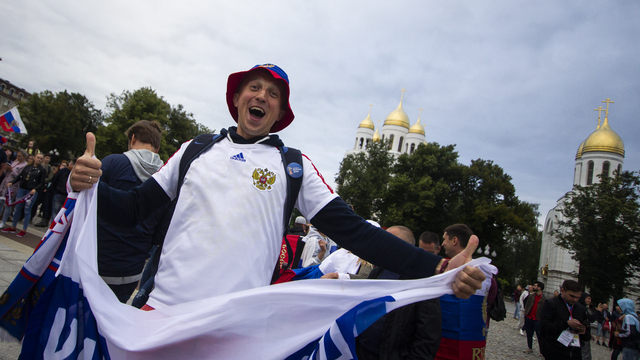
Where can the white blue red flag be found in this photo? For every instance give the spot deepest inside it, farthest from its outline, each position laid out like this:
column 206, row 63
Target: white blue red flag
column 11, row 122
column 78, row 317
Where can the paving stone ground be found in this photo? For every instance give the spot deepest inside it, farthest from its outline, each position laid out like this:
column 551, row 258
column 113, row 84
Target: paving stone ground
column 504, row 341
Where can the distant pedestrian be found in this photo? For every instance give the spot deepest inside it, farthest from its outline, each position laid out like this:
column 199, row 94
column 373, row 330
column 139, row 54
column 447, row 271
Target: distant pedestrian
column 516, row 298
column 604, row 324
column 630, row 330
column 525, row 293
column 532, row 305
column 592, row 316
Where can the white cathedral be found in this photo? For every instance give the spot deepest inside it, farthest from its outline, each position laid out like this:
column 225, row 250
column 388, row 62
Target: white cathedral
column 404, row 138
column 602, row 152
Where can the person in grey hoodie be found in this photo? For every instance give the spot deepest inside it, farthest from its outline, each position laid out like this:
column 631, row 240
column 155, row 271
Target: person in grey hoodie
column 630, row 330
column 122, row 251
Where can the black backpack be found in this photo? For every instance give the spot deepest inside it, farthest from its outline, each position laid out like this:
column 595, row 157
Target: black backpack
column 200, row 144
column 498, row 311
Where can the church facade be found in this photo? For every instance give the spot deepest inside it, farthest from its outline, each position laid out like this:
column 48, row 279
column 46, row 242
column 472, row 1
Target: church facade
column 403, row 137
column 602, row 152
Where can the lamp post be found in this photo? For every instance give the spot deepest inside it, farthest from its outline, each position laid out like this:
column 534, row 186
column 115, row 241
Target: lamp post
column 487, row 251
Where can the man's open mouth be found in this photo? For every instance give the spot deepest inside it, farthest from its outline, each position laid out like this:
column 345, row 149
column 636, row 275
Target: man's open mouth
column 256, row 111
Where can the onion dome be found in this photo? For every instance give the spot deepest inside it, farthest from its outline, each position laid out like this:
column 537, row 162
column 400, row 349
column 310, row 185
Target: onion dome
column 579, row 153
column 367, row 123
column 604, row 139
column 398, row 116
column 416, row 128
column 376, row 135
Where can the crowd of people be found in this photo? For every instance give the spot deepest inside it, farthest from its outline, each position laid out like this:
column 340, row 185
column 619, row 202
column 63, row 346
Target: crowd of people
column 192, row 214
column 30, row 185
column 563, row 323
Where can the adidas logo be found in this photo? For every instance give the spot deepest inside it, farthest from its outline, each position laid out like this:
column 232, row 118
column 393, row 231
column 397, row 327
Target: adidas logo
column 238, row 157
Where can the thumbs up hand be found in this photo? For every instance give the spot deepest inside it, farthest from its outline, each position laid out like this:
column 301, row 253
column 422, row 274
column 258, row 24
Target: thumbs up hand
column 470, row 279
column 86, row 171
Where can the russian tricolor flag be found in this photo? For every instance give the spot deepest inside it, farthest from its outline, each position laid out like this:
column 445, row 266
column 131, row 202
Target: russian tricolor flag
column 62, row 309
column 11, row 122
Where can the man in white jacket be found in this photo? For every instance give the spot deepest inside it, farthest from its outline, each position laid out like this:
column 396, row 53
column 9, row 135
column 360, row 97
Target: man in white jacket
column 523, row 296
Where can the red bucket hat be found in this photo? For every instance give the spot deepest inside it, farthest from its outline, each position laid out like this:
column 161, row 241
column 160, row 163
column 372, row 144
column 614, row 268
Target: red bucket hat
column 236, row 78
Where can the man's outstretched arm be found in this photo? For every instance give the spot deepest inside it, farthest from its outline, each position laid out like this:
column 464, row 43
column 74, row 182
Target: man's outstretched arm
column 381, row 248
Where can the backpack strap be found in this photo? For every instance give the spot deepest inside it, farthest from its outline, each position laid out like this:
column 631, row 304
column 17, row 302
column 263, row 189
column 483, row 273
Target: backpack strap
column 292, row 160
column 199, row 145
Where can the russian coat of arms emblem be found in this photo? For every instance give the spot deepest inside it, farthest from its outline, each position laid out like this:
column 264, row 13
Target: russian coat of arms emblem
column 263, row 179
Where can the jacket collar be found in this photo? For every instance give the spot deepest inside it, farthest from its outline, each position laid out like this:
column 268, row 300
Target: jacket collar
column 233, row 136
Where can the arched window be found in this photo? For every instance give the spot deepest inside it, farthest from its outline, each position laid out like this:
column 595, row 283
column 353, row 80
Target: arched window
column 20, row 96
column 368, row 141
column 400, row 143
column 391, row 142
column 382, row 137
column 590, row 173
column 413, row 147
column 605, row 169
column 619, row 169
column 11, row 92
column 361, row 142
column 2, row 86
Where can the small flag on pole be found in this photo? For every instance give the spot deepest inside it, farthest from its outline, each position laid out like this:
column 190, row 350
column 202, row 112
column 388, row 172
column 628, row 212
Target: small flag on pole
column 11, row 122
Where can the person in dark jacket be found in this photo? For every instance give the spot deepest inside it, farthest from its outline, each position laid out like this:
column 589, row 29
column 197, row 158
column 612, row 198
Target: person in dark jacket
column 564, row 319
column 592, row 315
column 122, row 251
column 533, row 304
column 31, row 180
column 300, row 227
column 410, row 332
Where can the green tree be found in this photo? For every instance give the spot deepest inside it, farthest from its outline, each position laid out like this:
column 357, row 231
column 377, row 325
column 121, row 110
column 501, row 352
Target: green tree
column 494, row 212
column 59, row 121
column 430, row 190
column 363, row 177
column 145, row 104
column 424, row 192
column 601, row 229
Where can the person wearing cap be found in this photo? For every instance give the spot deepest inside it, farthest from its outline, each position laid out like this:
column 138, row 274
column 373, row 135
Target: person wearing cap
column 300, row 227
column 208, row 233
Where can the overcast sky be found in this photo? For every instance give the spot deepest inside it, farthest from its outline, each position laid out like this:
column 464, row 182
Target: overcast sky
column 515, row 82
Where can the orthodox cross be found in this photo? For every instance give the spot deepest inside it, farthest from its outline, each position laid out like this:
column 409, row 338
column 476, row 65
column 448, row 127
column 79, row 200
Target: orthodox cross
column 599, row 110
column 608, row 101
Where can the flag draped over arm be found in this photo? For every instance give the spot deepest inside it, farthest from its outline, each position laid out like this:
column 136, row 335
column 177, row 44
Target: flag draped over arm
column 11, row 122
column 79, row 317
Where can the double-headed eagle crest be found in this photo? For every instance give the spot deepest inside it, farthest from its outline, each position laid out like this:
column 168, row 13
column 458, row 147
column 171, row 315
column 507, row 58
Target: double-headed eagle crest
column 263, row 179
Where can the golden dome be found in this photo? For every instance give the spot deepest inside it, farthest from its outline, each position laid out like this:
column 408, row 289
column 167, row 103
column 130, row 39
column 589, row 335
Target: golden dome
column 367, row 123
column 416, row 128
column 604, row 139
column 579, row 153
column 398, row 116
column 376, row 136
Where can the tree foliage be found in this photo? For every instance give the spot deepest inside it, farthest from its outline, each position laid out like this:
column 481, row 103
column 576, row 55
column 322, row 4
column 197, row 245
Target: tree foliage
column 59, row 121
column 424, row 192
column 430, row 190
column 601, row 228
column 363, row 177
column 145, row 104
